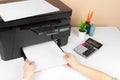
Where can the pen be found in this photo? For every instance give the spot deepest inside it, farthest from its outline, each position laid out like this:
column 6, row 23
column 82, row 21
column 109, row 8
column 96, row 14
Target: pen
column 89, row 17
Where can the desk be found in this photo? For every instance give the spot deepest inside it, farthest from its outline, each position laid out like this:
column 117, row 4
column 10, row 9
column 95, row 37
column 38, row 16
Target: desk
column 106, row 59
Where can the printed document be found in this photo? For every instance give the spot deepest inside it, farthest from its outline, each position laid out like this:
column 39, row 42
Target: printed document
column 23, row 9
column 45, row 55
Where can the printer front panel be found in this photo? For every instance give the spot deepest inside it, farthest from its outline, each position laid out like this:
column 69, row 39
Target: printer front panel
column 7, row 40
column 13, row 40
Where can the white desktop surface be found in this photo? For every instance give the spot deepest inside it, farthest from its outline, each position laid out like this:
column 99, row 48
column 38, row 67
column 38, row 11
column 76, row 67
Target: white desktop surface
column 106, row 59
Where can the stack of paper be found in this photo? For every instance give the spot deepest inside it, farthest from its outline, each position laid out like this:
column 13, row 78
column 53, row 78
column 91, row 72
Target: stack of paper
column 45, row 55
column 23, row 9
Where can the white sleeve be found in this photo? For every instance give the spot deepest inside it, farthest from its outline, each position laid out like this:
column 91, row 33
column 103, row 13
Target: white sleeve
column 114, row 78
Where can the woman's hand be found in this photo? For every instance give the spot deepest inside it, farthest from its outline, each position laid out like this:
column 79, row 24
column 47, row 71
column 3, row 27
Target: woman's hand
column 29, row 69
column 72, row 61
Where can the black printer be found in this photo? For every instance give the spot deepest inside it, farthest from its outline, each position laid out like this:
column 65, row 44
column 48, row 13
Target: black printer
column 16, row 34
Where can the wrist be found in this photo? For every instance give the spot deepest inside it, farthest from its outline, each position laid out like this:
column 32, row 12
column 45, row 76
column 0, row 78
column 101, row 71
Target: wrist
column 24, row 79
column 27, row 78
column 77, row 66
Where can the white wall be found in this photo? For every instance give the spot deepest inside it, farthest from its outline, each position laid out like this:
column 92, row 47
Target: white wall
column 106, row 12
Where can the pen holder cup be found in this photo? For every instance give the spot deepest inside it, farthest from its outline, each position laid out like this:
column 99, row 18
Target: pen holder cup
column 92, row 30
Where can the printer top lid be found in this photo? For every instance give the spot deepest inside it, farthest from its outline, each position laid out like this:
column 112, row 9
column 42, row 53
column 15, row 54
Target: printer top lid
column 60, row 5
column 65, row 12
column 9, row 1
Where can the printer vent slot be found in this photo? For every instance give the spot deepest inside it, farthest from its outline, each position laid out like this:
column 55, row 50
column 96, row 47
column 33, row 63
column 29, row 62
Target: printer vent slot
column 41, row 24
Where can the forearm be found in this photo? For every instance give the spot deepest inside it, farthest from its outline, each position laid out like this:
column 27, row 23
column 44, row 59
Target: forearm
column 93, row 73
column 27, row 79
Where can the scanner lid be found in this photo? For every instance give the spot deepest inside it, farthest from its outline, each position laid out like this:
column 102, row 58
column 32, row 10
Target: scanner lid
column 65, row 12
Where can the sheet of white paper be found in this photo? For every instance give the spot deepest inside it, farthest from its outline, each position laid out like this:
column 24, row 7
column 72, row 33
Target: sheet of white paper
column 23, row 9
column 60, row 73
column 45, row 55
